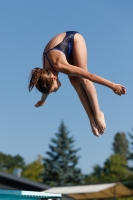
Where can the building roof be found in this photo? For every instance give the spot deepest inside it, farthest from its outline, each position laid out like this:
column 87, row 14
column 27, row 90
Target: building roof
column 9, row 181
column 97, row 191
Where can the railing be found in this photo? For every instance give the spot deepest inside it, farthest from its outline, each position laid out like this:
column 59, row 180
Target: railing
column 27, row 195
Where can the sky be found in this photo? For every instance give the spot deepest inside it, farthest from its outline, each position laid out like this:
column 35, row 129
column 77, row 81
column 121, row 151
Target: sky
column 25, row 28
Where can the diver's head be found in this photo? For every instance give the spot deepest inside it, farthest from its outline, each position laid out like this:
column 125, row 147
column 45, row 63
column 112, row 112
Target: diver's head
column 44, row 80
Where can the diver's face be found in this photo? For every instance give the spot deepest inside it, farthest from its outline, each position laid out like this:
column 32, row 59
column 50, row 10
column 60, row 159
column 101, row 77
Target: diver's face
column 56, row 84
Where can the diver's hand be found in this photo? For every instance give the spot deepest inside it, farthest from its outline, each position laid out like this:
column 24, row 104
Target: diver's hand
column 119, row 89
column 39, row 104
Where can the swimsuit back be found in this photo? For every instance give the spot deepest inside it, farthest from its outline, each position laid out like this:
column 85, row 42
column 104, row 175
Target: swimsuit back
column 65, row 46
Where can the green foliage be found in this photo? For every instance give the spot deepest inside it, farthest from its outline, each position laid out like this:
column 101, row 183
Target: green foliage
column 126, row 198
column 34, row 170
column 95, row 176
column 114, row 169
column 120, row 144
column 8, row 163
column 60, row 166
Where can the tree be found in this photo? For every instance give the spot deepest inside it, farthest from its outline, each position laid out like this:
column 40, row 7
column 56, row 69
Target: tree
column 8, row 163
column 60, row 166
column 130, row 159
column 120, row 144
column 34, row 170
column 114, row 169
column 95, row 176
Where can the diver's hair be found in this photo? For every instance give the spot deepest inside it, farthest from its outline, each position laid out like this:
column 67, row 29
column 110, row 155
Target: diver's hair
column 41, row 79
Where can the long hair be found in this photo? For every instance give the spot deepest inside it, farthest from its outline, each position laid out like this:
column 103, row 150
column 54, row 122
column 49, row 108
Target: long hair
column 41, row 79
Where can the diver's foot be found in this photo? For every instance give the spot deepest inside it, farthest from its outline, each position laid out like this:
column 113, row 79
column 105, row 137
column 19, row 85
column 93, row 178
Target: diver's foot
column 100, row 121
column 94, row 127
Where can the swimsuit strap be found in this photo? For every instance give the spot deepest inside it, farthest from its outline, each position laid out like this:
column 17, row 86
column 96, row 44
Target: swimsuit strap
column 45, row 54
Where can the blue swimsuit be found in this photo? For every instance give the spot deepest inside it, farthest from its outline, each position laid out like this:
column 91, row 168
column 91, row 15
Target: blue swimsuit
column 65, row 46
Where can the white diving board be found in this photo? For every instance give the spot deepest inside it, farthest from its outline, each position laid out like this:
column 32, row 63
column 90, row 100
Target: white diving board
column 27, row 195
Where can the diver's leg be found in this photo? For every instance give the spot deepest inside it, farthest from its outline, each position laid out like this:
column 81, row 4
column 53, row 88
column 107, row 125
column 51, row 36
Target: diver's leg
column 80, row 59
column 85, row 102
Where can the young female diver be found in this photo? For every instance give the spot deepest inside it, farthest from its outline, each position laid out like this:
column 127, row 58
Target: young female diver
column 67, row 53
